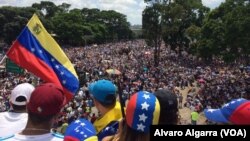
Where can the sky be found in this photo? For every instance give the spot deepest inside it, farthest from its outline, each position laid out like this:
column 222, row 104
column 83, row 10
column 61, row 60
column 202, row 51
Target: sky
column 131, row 8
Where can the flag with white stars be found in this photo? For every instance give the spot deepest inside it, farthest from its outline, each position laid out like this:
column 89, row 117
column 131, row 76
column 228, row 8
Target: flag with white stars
column 236, row 111
column 80, row 130
column 37, row 52
column 143, row 110
column 109, row 130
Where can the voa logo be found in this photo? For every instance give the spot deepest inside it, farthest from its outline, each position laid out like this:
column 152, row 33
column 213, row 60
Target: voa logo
column 232, row 132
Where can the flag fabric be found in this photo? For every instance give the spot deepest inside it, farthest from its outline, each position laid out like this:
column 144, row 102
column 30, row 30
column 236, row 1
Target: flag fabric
column 110, row 130
column 80, row 130
column 237, row 112
column 36, row 51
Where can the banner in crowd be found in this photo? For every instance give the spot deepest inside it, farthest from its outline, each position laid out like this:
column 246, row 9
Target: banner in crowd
column 12, row 67
column 36, row 51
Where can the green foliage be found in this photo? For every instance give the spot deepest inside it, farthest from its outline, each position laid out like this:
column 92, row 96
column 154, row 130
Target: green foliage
column 152, row 20
column 226, row 28
column 47, row 8
column 13, row 21
column 181, row 16
column 177, row 22
column 117, row 26
column 176, row 17
column 74, row 27
column 188, row 25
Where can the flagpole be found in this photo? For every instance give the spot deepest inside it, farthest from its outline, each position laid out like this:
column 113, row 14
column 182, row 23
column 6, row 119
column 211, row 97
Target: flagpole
column 3, row 59
column 120, row 98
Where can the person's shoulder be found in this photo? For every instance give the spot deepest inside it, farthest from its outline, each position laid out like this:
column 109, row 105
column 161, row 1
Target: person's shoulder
column 23, row 114
column 11, row 113
column 16, row 137
column 3, row 113
column 6, row 116
column 7, row 138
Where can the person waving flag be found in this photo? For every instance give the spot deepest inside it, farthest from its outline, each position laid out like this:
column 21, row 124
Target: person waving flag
column 37, row 52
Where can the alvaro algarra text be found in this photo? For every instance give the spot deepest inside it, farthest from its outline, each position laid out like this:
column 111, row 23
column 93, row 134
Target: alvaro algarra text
column 197, row 134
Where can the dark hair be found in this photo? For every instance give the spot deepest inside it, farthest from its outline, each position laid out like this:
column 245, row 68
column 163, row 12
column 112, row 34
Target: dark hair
column 38, row 119
column 129, row 134
column 19, row 107
column 169, row 107
column 110, row 101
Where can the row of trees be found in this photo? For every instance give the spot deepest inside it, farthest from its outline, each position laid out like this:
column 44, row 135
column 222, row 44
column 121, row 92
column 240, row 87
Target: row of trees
column 222, row 33
column 74, row 27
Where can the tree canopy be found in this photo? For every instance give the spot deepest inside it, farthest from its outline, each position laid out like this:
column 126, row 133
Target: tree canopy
column 70, row 26
column 225, row 32
column 221, row 33
column 176, row 22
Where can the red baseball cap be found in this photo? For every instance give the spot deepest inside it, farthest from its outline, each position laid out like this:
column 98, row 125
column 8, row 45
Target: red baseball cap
column 47, row 99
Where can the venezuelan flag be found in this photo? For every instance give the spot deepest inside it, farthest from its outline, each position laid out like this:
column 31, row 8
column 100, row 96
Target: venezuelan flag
column 36, row 51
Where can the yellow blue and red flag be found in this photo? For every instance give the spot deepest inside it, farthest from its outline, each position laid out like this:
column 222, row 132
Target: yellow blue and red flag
column 37, row 52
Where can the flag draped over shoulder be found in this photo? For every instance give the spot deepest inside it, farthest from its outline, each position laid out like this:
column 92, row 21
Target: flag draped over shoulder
column 36, row 51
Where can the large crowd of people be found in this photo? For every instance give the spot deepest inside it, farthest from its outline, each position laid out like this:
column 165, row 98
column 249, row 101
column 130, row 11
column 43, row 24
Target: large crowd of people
column 134, row 70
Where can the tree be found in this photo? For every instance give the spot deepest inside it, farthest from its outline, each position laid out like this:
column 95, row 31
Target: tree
column 193, row 33
column 225, row 32
column 13, row 21
column 49, row 9
column 173, row 22
column 152, row 28
column 116, row 23
column 179, row 16
column 99, row 31
column 91, row 15
column 75, row 27
column 64, row 8
column 70, row 27
column 212, row 41
column 237, row 27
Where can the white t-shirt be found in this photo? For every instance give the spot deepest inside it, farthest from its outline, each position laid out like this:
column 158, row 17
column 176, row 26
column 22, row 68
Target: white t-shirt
column 12, row 123
column 44, row 137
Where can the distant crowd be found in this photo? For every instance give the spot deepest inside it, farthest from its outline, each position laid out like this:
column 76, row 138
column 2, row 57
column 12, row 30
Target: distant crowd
column 208, row 86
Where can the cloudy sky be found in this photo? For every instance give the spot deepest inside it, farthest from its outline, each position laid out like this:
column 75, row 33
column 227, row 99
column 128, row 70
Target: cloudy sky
column 132, row 8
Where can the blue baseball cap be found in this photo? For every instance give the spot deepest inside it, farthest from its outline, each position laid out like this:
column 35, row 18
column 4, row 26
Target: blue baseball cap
column 101, row 89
